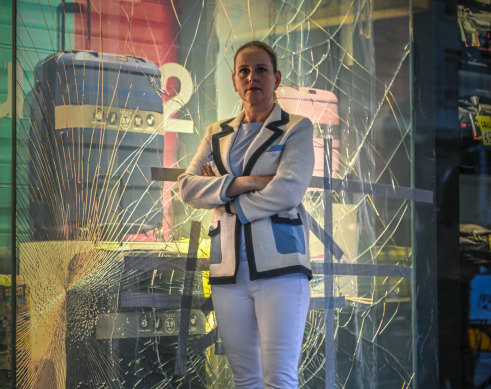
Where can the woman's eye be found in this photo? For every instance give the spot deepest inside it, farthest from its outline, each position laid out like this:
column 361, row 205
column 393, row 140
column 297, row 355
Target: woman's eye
column 262, row 69
column 244, row 72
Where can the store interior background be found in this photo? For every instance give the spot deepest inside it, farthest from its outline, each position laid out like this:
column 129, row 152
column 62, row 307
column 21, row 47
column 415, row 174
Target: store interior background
column 111, row 100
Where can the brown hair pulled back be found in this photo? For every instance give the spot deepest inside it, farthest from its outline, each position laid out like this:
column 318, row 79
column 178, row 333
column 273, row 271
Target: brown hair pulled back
column 260, row 45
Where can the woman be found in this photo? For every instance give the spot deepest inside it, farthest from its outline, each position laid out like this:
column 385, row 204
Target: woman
column 253, row 171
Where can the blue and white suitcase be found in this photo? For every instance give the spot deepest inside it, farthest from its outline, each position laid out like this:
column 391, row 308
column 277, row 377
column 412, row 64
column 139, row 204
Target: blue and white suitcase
column 96, row 131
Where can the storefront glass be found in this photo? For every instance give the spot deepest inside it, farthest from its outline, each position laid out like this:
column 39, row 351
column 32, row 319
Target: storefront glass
column 116, row 96
column 6, row 122
column 474, row 197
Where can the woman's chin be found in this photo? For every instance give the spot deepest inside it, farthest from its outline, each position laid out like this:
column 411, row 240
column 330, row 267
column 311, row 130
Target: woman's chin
column 258, row 101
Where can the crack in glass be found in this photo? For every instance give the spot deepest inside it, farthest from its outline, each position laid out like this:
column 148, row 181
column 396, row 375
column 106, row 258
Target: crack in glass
column 113, row 89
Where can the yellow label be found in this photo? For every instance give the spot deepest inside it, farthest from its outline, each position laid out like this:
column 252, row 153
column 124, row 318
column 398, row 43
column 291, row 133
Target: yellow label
column 479, row 340
column 484, row 122
column 485, row 126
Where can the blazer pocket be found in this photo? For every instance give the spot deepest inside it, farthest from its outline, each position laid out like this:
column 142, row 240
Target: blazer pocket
column 288, row 234
column 215, row 245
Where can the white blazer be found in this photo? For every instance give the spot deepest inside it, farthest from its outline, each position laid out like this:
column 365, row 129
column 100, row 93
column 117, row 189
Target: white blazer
column 274, row 219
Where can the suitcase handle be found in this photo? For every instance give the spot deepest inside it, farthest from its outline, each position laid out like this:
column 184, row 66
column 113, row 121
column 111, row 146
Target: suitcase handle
column 71, row 8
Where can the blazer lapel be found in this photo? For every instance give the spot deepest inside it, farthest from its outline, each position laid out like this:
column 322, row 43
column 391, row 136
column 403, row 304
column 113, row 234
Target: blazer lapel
column 267, row 135
column 222, row 142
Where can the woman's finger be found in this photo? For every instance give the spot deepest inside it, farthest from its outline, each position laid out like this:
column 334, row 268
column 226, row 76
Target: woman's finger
column 207, row 171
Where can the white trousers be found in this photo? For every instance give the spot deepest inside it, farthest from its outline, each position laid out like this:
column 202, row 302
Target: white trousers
column 261, row 324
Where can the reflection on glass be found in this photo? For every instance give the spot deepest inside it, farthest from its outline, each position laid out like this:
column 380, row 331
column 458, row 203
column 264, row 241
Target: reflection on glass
column 474, row 197
column 6, row 296
column 115, row 91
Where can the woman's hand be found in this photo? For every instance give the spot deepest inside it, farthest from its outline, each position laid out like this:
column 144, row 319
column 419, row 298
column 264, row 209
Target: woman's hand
column 239, row 185
column 207, row 171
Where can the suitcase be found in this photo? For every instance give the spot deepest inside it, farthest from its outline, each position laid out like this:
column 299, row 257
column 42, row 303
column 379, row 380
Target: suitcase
column 123, row 325
column 96, row 130
column 321, row 107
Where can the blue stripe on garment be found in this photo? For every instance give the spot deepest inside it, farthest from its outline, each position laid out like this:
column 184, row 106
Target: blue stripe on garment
column 240, row 212
column 276, row 148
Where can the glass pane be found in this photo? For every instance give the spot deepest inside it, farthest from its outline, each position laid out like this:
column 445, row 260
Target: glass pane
column 6, row 300
column 474, row 145
column 115, row 95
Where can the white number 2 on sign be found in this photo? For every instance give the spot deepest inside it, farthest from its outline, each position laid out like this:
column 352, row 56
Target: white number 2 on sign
column 173, row 105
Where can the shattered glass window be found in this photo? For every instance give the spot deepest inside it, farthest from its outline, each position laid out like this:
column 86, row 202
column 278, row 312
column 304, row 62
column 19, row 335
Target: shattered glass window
column 6, row 215
column 115, row 97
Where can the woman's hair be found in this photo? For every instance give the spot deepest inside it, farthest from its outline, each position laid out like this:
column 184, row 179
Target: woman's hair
column 261, row 45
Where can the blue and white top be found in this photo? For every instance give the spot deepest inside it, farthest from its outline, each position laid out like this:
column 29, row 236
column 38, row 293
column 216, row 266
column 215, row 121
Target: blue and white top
column 245, row 135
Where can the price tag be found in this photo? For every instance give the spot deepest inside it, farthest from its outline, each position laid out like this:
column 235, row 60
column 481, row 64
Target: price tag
column 485, row 125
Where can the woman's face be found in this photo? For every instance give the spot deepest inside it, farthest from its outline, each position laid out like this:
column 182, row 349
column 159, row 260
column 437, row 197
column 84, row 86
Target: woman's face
column 254, row 78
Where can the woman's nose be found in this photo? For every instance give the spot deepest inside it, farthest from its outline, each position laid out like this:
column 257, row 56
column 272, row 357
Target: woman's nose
column 252, row 76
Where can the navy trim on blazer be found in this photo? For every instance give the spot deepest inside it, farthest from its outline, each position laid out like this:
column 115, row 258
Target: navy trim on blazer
column 214, row 231
column 285, row 220
column 231, row 279
column 215, row 142
column 274, row 126
column 254, row 274
column 222, row 280
column 282, row 271
column 251, row 259
column 238, row 234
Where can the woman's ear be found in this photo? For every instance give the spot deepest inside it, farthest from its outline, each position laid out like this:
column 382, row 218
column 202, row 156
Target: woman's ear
column 233, row 81
column 277, row 79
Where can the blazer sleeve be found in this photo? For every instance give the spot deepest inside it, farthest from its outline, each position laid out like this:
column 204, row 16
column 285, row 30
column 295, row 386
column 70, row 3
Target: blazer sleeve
column 286, row 190
column 199, row 191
